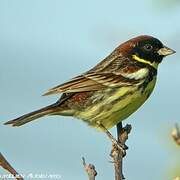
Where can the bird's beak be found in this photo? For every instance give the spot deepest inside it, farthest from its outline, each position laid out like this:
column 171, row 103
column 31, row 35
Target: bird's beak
column 165, row 51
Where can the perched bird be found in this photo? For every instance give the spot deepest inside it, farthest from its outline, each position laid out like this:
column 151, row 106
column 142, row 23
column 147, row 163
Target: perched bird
column 112, row 90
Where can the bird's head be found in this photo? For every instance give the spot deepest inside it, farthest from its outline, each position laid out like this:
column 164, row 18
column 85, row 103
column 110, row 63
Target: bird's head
column 146, row 49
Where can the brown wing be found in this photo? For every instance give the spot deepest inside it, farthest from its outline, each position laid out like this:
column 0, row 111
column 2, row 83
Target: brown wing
column 92, row 81
column 77, row 84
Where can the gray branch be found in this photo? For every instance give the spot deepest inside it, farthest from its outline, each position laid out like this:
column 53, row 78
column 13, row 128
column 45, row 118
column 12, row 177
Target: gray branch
column 176, row 134
column 5, row 165
column 90, row 170
column 118, row 155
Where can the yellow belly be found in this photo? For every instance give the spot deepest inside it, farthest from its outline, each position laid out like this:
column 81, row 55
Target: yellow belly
column 116, row 107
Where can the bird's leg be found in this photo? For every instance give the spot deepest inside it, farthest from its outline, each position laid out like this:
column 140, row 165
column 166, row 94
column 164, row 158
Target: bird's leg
column 120, row 146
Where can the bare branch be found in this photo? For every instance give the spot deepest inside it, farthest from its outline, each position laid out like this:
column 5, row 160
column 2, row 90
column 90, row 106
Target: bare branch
column 176, row 134
column 116, row 154
column 90, row 169
column 5, row 164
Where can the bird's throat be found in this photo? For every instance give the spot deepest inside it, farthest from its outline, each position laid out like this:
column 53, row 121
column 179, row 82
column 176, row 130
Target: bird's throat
column 152, row 64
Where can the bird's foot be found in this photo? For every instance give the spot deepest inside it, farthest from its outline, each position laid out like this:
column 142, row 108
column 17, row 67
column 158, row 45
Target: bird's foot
column 119, row 145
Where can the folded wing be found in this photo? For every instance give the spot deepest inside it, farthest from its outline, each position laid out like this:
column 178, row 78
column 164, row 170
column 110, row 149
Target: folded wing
column 92, row 82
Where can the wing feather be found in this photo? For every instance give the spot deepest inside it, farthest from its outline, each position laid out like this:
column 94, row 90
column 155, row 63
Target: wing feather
column 92, row 81
column 77, row 84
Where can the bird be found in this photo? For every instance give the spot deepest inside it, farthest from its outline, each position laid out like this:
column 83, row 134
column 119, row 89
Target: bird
column 111, row 91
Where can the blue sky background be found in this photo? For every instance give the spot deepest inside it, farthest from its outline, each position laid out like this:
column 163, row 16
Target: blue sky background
column 44, row 43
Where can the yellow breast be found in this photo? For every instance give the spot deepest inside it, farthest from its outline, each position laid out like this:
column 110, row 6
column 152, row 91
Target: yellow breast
column 117, row 106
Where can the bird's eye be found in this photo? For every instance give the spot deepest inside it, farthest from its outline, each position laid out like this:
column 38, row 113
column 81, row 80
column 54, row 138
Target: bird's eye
column 148, row 47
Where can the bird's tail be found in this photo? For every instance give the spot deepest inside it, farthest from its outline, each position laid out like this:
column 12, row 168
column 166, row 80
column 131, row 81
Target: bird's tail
column 48, row 110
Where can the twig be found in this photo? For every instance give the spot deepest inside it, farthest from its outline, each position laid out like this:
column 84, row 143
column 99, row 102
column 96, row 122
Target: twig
column 176, row 134
column 116, row 154
column 90, row 169
column 4, row 164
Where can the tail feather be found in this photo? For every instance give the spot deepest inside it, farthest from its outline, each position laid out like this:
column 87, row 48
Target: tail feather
column 33, row 115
